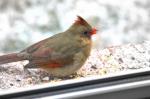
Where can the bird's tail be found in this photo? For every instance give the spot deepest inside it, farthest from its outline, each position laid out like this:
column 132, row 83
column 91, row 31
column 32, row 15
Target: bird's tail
column 14, row 57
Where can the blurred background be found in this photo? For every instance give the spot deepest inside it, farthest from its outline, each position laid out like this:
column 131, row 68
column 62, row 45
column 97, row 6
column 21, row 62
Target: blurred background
column 24, row 22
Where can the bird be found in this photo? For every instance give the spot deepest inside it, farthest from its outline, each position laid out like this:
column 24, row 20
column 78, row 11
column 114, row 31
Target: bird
column 60, row 55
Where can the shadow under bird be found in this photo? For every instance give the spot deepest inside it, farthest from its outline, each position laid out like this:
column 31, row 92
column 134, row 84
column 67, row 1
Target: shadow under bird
column 60, row 55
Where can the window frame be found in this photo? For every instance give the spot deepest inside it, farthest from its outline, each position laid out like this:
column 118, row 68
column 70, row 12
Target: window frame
column 133, row 84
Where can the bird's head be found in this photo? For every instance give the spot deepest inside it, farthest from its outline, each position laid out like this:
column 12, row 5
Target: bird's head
column 82, row 28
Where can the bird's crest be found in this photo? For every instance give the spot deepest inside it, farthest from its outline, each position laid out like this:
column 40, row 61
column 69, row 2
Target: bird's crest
column 80, row 20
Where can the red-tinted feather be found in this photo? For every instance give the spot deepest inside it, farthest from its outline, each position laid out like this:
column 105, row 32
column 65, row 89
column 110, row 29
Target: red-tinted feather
column 53, row 65
column 45, row 52
column 80, row 20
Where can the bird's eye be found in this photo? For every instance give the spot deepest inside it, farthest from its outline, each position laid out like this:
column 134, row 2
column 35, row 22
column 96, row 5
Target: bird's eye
column 85, row 33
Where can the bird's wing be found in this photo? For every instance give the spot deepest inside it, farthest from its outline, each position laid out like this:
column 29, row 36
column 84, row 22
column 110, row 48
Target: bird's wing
column 52, row 52
column 41, row 43
column 34, row 47
column 47, row 57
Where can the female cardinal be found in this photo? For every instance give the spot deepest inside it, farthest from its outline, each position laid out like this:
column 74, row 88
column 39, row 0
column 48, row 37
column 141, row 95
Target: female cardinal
column 62, row 54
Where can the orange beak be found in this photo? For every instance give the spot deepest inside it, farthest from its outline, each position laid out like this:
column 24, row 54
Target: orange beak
column 93, row 31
